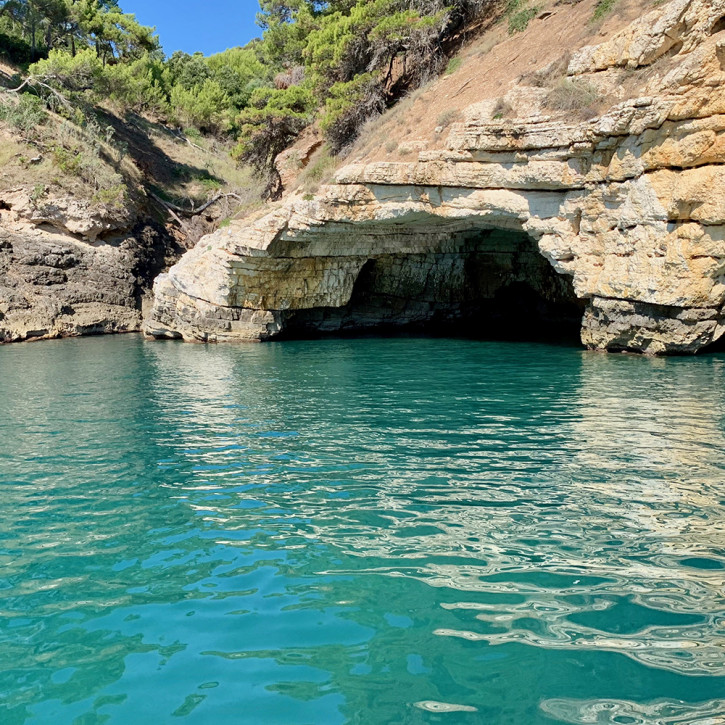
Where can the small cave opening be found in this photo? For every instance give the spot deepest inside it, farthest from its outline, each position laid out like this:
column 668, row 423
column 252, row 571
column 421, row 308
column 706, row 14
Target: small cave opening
column 487, row 284
column 717, row 347
column 719, row 26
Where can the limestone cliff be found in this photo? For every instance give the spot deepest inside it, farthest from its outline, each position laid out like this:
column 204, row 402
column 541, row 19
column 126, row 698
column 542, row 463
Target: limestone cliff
column 627, row 207
column 77, row 257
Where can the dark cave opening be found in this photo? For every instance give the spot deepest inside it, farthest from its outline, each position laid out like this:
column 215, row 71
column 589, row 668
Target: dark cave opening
column 491, row 284
column 719, row 26
column 717, row 347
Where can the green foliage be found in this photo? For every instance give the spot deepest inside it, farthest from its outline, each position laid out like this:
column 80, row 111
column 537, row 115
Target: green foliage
column 202, row 106
column 25, row 114
column 520, row 14
column 69, row 162
column 348, row 106
column 138, row 85
column 210, row 183
column 84, row 71
column 362, row 56
column 114, row 196
column 371, row 35
column 270, row 123
column 38, row 192
column 602, row 8
column 39, row 26
column 238, row 72
column 453, row 65
column 339, row 62
column 187, row 71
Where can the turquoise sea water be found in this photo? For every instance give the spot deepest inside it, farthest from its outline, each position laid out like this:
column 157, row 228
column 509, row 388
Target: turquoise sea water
column 360, row 531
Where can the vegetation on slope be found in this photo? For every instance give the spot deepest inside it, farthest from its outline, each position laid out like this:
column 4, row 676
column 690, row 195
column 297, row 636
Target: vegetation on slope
column 337, row 63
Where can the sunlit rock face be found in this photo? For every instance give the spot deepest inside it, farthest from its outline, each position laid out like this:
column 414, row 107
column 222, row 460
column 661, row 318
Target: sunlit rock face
column 628, row 209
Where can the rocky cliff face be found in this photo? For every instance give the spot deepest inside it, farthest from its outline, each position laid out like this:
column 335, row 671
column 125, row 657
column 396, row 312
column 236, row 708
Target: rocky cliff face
column 57, row 284
column 81, row 243
column 626, row 209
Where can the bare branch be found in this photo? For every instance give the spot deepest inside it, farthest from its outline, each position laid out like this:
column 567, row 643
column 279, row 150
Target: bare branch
column 32, row 81
column 194, row 212
column 168, row 208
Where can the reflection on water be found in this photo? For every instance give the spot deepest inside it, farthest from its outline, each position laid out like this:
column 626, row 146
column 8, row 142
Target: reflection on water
column 370, row 531
column 664, row 712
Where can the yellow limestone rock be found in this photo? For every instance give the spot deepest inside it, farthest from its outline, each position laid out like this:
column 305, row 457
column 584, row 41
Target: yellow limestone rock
column 628, row 208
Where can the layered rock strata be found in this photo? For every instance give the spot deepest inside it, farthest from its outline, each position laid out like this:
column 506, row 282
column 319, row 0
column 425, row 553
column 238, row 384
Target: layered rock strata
column 628, row 207
column 54, row 285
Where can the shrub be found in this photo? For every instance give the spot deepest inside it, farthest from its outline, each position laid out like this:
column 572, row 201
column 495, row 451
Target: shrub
column 602, row 8
column 201, row 106
column 502, row 109
column 138, row 86
column 69, row 162
column 453, row 65
column 348, row 107
column 114, row 196
column 25, row 114
column 210, row 183
column 446, row 118
column 572, row 95
column 38, row 192
column 520, row 14
column 188, row 71
column 273, row 120
column 82, row 72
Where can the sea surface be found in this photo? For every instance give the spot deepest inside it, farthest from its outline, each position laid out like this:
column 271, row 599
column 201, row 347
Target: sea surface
column 372, row 531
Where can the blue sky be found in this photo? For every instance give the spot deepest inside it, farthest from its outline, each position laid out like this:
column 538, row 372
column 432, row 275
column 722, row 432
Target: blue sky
column 209, row 26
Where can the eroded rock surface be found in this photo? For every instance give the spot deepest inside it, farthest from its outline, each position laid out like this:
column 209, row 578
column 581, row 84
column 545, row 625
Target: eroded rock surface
column 628, row 207
column 52, row 285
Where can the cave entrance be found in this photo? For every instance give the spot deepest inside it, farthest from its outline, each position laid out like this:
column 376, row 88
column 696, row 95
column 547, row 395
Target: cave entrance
column 492, row 284
column 714, row 348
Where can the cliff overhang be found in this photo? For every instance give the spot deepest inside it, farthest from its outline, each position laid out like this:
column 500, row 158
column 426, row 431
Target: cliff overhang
column 628, row 208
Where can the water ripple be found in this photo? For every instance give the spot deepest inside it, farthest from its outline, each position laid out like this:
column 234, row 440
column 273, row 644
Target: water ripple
column 372, row 531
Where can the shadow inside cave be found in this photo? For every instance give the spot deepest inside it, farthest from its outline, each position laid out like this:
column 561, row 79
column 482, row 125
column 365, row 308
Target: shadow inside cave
column 485, row 284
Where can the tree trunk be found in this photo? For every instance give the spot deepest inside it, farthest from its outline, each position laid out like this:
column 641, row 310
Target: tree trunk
column 32, row 37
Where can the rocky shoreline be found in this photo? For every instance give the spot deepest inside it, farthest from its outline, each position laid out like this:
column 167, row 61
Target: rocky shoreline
column 614, row 224
column 54, row 285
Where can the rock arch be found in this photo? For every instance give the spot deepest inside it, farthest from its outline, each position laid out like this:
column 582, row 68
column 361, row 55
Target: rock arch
column 629, row 206
column 482, row 283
